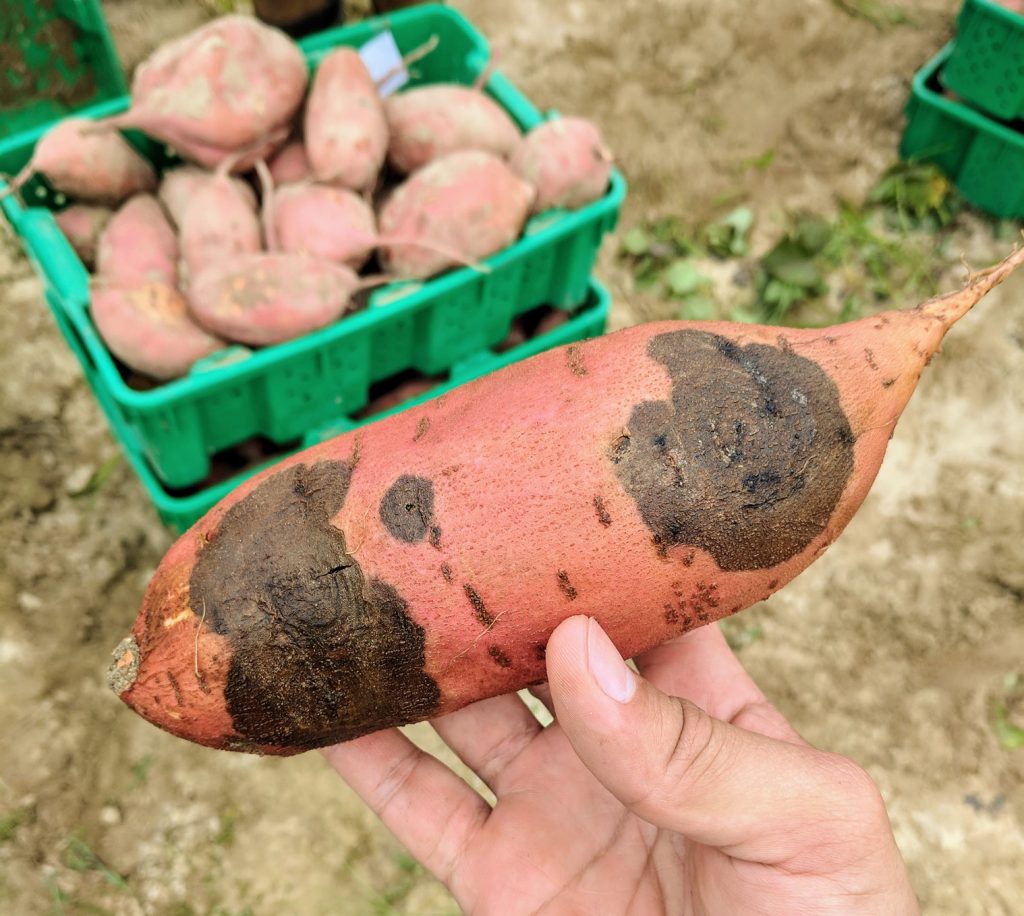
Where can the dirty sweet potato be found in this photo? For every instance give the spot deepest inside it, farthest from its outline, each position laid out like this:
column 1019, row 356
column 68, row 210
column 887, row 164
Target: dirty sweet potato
column 346, row 131
column 566, row 160
column 261, row 299
column 91, row 167
column 324, row 222
column 138, row 245
column 428, row 122
column 228, row 85
column 148, row 327
column 82, row 225
column 463, row 206
column 179, row 188
column 291, row 164
column 658, row 478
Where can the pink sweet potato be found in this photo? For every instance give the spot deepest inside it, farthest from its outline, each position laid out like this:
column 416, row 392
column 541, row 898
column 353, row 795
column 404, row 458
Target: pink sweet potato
column 291, row 164
column 218, row 225
column 82, row 225
column 566, row 161
column 93, row 167
column 659, row 478
column 138, row 245
column 431, row 121
column 470, row 204
column 345, row 127
column 148, row 327
column 331, row 223
column 261, row 299
column 228, row 85
column 180, row 187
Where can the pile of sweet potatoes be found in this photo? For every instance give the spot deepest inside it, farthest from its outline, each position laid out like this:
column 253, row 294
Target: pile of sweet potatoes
column 294, row 192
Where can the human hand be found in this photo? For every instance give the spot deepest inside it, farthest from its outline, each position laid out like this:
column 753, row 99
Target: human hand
column 634, row 801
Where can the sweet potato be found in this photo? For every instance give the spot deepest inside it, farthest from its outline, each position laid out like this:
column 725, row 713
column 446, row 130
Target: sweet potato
column 261, row 299
column 218, row 225
column 470, row 203
column 566, row 161
column 180, row 187
column 147, row 326
column 138, row 245
column 291, row 164
column 658, row 478
column 100, row 168
column 228, row 85
column 323, row 222
column 428, row 122
column 345, row 128
column 82, row 225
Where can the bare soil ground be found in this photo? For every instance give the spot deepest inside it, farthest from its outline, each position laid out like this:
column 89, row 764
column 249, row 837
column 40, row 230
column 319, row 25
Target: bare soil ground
column 892, row 649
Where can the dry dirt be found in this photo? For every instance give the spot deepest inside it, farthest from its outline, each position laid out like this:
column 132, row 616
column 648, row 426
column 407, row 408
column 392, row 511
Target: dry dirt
column 891, row 649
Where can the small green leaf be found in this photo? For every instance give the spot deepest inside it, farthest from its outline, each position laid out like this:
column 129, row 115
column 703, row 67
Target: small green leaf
column 698, row 308
column 79, row 856
column 683, row 279
column 728, row 236
column 760, row 162
column 789, row 263
column 1008, row 734
column 100, row 476
column 636, row 241
column 812, row 233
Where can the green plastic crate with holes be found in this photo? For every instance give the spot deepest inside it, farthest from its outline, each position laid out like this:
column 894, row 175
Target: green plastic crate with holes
column 55, row 57
column 983, row 157
column 986, row 64
column 282, row 392
column 180, row 509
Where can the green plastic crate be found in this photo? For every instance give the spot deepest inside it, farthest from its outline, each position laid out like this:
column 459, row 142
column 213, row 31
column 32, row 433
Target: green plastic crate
column 55, row 57
column 986, row 67
column 984, row 158
column 181, row 511
column 282, row 392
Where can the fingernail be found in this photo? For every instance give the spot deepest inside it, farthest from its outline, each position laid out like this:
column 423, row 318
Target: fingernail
column 608, row 669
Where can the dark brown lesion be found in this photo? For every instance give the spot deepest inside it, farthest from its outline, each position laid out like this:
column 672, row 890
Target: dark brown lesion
column 320, row 653
column 479, row 608
column 499, row 656
column 602, row 513
column 407, row 509
column 565, row 586
column 749, row 458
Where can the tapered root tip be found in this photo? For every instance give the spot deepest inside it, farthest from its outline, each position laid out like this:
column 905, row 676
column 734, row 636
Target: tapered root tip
column 951, row 307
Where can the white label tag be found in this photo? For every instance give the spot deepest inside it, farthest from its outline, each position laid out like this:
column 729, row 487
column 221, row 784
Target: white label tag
column 382, row 57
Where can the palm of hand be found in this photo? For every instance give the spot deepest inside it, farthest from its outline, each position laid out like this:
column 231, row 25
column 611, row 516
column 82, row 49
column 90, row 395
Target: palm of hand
column 557, row 840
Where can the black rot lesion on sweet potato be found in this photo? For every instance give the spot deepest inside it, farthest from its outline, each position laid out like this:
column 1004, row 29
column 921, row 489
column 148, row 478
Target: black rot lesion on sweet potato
column 407, row 510
column 602, row 513
column 747, row 460
column 320, row 653
column 565, row 586
column 501, row 659
column 479, row 608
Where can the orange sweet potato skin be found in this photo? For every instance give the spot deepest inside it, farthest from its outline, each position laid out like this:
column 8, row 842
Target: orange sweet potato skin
column 658, row 478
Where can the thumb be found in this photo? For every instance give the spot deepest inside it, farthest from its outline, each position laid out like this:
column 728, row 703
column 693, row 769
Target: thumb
column 673, row 765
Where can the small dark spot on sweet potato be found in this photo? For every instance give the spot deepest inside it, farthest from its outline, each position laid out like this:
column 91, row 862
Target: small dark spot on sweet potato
column 421, row 429
column 602, row 513
column 435, row 537
column 689, row 557
column 774, row 584
column 479, row 608
column 540, row 651
column 565, row 585
column 407, row 508
column 173, row 681
column 500, row 658
column 869, row 357
column 446, row 571
column 888, row 383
